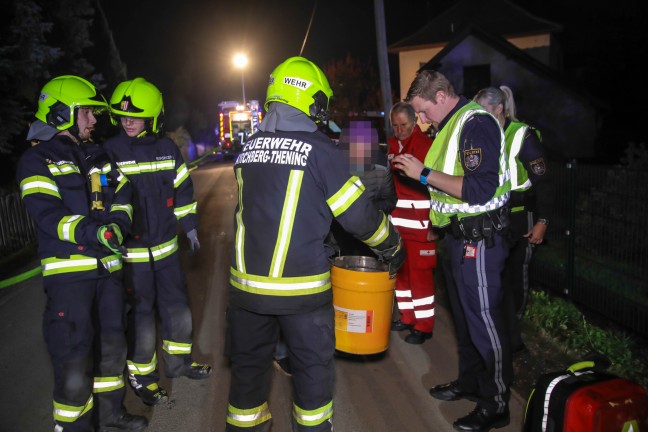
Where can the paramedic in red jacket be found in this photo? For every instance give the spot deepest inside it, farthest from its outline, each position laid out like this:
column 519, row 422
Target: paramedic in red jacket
column 414, row 281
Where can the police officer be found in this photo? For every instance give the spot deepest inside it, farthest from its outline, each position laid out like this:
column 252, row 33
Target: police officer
column 466, row 171
column 163, row 198
column 530, row 208
column 292, row 181
column 79, row 224
column 415, row 280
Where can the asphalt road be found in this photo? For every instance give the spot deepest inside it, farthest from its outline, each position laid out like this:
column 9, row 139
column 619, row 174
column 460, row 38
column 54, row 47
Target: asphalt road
column 385, row 392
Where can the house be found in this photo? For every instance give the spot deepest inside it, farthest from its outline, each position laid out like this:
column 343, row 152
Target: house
column 479, row 43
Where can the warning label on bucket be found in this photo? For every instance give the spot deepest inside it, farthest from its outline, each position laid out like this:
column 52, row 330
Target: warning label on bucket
column 353, row 321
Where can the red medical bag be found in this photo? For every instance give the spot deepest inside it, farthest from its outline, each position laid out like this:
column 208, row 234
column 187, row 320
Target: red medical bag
column 586, row 399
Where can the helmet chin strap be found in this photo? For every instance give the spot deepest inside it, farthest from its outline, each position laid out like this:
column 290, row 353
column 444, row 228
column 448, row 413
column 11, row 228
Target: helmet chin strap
column 74, row 132
column 318, row 111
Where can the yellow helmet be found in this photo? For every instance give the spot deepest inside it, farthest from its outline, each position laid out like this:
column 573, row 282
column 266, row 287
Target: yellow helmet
column 138, row 98
column 60, row 97
column 298, row 82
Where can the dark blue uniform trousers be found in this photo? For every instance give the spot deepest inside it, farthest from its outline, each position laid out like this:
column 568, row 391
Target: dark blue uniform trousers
column 158, row 287
column 515, row 277
column 310, row 338
column 477, row 302
column 83, row 327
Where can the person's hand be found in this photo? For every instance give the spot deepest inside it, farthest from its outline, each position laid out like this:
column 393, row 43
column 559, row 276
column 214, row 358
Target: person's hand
column 408, row 165
column 194, row 244
column 432, row 234
column 393, row 257
column 395, row 261
column 537, row 233
column 111, row 237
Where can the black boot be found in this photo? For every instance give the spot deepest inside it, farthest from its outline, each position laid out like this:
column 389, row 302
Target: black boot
column 194, row 371
column 151, row 394
column 482, row 420
column 127, row 422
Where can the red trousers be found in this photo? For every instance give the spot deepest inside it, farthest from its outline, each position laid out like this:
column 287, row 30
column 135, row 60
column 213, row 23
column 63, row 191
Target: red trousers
column 415, row 285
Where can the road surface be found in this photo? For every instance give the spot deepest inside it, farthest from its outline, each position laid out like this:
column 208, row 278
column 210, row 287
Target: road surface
column 385, row 392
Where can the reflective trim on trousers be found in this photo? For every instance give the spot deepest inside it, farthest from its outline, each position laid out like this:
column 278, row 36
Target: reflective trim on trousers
column 69, row 413
column 107, row 384
column 176, row 347
column 313, row 417
column 142, row 368
column 246, row 418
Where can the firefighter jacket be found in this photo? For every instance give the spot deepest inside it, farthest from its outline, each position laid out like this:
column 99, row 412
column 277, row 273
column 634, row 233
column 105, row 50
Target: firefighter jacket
column 459, row 152
column 411, row 215
column 54, row 178
column 162, row 196
column 290, row 187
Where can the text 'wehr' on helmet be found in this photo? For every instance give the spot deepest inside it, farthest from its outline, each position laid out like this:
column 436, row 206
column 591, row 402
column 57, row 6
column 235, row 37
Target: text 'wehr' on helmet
column 60, row 98
column 139, row 98
column 298, row 82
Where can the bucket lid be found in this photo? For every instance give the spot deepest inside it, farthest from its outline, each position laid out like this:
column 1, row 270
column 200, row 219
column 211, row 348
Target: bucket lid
column 360, row 263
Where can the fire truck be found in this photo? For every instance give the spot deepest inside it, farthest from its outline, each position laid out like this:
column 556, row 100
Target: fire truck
column 236, row 122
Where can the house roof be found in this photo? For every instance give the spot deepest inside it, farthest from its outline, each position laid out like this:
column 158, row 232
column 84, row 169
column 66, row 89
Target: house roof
column 499, row 17
column 511, row 52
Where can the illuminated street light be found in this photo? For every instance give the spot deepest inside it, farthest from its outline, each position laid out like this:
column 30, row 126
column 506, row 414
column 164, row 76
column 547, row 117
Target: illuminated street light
column 240, row 61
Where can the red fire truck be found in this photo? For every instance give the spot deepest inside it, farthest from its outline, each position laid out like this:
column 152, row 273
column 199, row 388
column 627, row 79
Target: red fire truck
column 236, row 123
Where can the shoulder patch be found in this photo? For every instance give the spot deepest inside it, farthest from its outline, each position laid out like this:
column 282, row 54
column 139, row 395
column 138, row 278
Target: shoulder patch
column 538, row 166
column 472, row 158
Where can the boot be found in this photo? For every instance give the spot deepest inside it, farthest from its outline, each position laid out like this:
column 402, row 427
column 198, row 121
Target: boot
column 151, row 394
column 194, row 371
column 127, row 422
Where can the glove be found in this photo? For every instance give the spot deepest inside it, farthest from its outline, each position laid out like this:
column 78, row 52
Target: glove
column 194, row 244
column 111, row 237
column 393, row 257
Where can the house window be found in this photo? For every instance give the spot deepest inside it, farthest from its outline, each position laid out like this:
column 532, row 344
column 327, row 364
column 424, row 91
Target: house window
column 476, row 78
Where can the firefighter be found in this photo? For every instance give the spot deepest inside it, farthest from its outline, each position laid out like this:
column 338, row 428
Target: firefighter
column 415, row 280
column 292, row 181
column 162, row 199
column 79, row 234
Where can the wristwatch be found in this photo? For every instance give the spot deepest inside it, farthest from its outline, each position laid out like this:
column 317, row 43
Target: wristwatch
column 543, row 221
column 424, row 174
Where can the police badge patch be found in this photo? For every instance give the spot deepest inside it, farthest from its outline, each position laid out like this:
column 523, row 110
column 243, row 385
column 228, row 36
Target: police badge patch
column 538, row 166
column 472, row 158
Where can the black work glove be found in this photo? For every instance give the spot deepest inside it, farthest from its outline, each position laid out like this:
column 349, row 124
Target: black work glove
column 393, row 257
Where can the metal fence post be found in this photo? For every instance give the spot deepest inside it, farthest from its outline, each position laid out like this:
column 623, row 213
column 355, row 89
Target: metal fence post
column 571, row 224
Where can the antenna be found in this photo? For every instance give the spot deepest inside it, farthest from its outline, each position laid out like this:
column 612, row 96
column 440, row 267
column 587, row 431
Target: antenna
column 308, row 29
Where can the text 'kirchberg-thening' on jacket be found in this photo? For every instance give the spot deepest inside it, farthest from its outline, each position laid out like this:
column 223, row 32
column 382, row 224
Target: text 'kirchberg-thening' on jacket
column 284, row 151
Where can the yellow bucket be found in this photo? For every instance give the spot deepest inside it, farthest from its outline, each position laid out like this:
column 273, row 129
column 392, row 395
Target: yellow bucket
column 363, row 296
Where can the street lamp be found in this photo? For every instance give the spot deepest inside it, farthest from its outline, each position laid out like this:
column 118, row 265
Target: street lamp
column 240, row 61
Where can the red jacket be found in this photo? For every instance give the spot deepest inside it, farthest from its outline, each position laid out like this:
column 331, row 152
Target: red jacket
column 411, row 217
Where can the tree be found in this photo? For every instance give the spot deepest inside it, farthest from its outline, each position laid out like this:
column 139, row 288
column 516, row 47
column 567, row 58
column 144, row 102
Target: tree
column 356, row 88
column 41, row 39
column 25, row 56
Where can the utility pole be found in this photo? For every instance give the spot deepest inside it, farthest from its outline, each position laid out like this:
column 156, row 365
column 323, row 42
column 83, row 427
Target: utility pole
column 383, row 63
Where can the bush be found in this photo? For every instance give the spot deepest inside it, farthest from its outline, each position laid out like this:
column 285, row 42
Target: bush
column 564, row 324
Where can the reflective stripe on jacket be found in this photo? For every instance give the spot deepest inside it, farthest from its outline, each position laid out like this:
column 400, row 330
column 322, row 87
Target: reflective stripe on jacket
column 290, row 187
column 162, row 191
column 443, row 156
column 54, row 183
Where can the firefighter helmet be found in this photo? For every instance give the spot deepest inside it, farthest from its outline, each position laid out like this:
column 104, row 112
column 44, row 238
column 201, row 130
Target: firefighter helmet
column 138, row 98
column 60, row 98
column 299, row 83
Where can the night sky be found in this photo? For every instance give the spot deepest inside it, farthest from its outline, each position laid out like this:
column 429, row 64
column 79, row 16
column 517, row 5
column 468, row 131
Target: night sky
column 601, row 45
column 199, row 38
